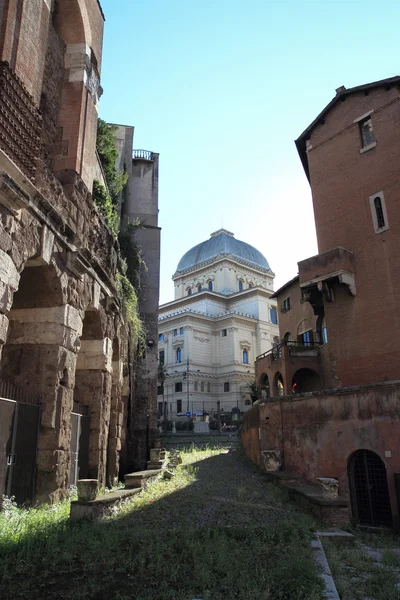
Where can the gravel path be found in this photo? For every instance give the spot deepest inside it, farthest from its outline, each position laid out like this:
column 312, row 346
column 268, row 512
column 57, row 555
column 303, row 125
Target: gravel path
column 227, row 491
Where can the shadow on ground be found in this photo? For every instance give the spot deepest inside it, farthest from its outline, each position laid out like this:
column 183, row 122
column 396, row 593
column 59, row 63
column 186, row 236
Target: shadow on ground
column 217, row 531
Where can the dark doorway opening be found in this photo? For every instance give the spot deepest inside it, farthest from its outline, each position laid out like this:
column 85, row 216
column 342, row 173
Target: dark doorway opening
column 369, row 489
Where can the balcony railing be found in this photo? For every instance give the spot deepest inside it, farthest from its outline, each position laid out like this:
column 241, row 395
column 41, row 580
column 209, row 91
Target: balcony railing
column 293, row 348
column 144, row 154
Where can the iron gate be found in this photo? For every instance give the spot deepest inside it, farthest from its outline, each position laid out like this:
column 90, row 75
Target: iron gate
column 19, row 428
column 369, row 489
column 79, row 448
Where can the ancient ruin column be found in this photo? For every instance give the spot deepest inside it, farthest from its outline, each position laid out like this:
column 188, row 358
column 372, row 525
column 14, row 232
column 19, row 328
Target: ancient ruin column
column 93, row 381
column 9, row 279
column 116, row 423
column 40, row 354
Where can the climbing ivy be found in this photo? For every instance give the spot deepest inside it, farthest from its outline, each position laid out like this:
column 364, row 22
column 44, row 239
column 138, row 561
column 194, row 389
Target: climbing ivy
column 105, row 144
column 105, row 204
column 130, row 306
column 132, row 253
column 128, row 279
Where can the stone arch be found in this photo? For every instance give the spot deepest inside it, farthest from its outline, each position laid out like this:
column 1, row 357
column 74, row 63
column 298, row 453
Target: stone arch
column 304, row 325
column 40, row 354
column 93, row 382
column 69, row 23
column 369, row 492
column 264, row 384
column 287, row 337
column 306, row 380
column 278, row 385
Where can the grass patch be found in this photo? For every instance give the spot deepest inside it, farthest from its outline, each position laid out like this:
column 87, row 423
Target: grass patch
column 155, row 547
column 357, row 576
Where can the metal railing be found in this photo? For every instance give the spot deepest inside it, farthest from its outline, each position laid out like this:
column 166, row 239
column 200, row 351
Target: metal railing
column 294, row 347
column 145, row 154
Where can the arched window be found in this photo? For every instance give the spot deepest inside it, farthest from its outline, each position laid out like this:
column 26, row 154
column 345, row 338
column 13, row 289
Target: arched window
column 380, row 219
column 240, row 285
column 189, row 292
column 210, row 285
column 199, row 287
column 245, row 357
column 251, row 285
column 179, row 355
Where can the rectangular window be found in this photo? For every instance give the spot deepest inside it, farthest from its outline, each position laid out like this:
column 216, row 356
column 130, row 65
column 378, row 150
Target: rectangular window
column 159, row 390
column 181, row 331
column 306, row 338
column 379, row 214
column 195, row 386
column 160, row 409
column 366, row 132
column 178, row 386
column 208, row 387
column 226, row 386
column 161, row 357
column 175, row 332
column 179, row 406
column 160, row 337
column 202, row 386
column 274, row 315
column 286, row 305
column 224, row 332
column 324, row 335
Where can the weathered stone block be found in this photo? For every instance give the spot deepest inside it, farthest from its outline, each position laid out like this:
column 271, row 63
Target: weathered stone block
column 330, row 486
column 87, row 489
column 272, row 460
column 60, row 325
column 95, row 355
column 3, row 329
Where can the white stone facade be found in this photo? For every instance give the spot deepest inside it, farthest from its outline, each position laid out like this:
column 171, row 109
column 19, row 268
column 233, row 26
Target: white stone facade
column 209, row 339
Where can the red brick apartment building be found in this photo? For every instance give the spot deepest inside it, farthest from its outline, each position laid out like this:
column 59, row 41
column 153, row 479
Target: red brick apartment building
column 333, row 381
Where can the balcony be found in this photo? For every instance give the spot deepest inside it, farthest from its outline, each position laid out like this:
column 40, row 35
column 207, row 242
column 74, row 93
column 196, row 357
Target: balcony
column 316, row 274
column 143, row 154
column 290, row 349
column 290, row 367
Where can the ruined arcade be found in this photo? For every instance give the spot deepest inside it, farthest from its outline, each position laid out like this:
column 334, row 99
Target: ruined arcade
column 62, row 331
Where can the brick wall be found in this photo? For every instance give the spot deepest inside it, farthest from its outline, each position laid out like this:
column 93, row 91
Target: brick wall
column 362, row 330
column 318, row 433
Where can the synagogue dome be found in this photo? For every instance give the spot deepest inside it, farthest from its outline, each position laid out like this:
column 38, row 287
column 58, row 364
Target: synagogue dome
column 222, row 243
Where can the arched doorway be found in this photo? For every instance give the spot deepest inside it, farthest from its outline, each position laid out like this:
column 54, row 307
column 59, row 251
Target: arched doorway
column 92, row 396
column 278, row 388
column 265, row 385
column 306, row 380
column 369, row 491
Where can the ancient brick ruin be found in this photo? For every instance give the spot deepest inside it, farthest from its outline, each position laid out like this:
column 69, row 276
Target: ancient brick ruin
column 63, row 334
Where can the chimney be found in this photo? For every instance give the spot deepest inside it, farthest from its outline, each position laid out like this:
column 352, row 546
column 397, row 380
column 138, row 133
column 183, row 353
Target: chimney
column 340, row 89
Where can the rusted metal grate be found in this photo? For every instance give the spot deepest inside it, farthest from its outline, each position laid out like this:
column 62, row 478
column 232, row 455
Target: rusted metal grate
column 369, row 489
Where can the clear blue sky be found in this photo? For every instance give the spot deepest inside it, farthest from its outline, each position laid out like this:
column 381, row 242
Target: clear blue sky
column 221, row 88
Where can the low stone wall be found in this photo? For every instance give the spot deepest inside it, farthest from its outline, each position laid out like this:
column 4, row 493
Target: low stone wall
column 101, row 506
column 317, row 433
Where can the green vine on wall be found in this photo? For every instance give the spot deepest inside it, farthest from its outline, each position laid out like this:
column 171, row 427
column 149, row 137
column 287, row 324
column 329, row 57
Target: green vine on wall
column 107, row 200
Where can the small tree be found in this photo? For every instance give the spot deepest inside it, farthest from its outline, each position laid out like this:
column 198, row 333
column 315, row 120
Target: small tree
column 255, row 391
